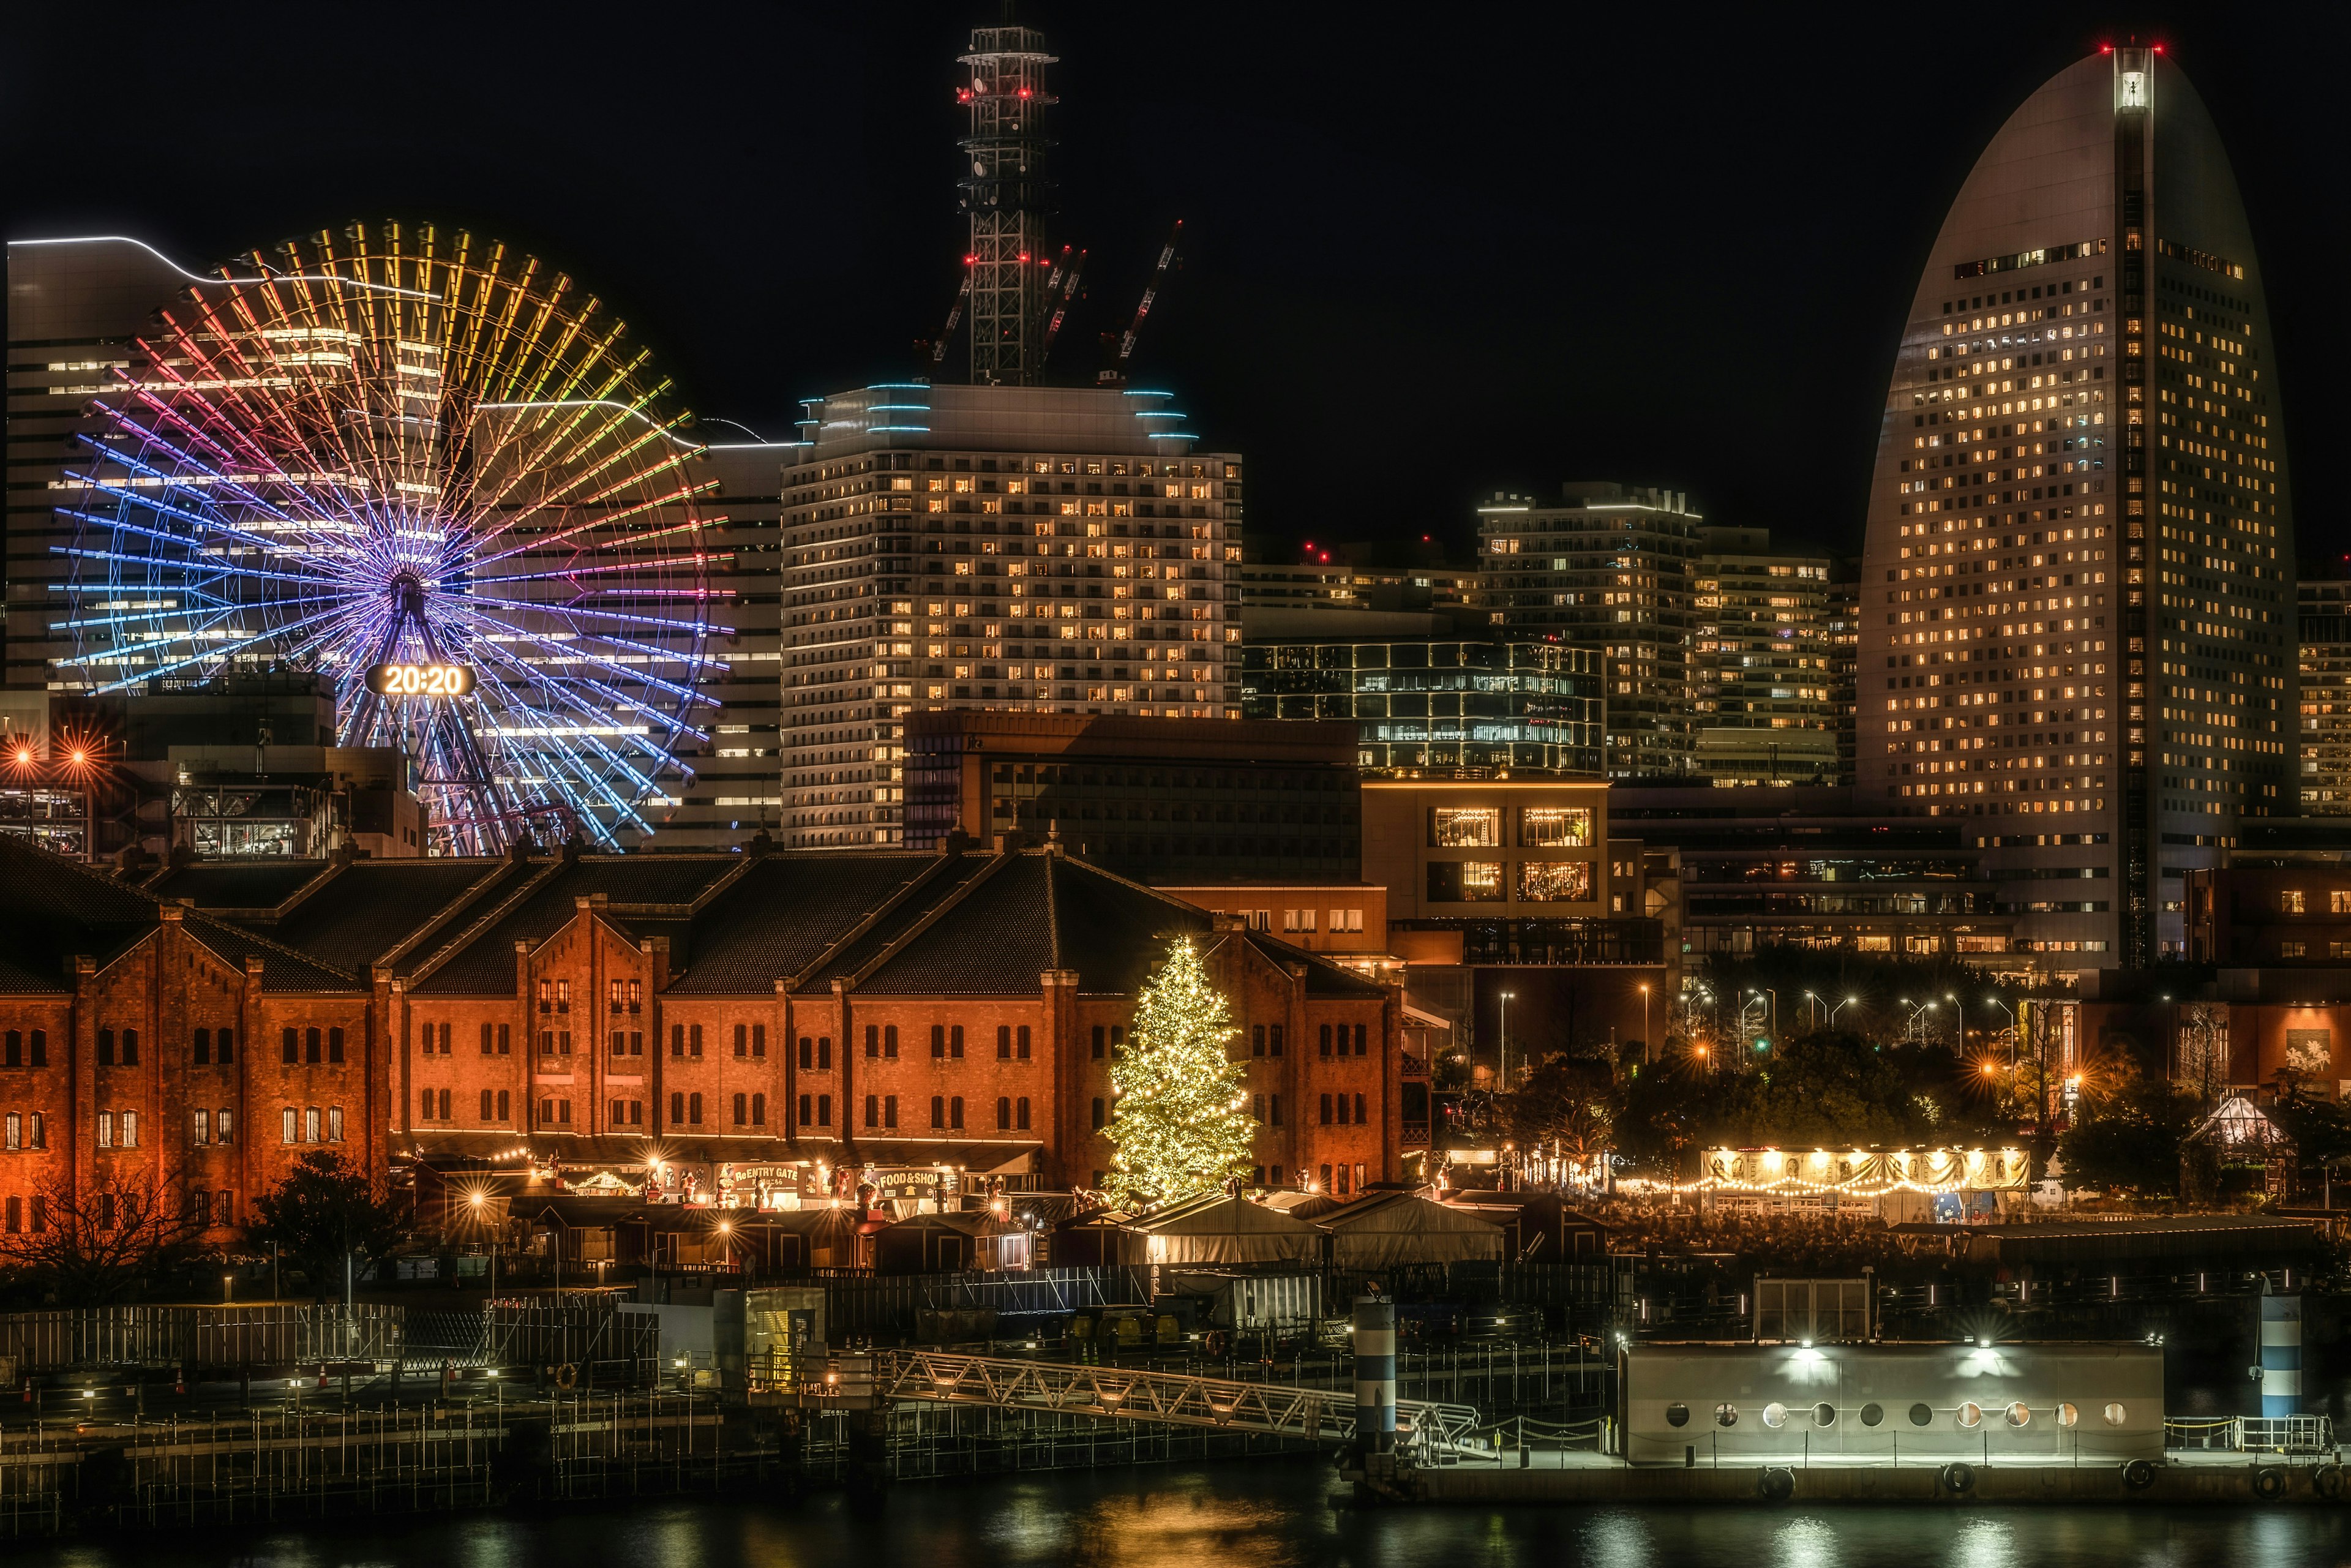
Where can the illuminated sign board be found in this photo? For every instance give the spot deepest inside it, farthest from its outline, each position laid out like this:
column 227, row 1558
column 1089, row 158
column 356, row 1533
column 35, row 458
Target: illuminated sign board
column 419, row 680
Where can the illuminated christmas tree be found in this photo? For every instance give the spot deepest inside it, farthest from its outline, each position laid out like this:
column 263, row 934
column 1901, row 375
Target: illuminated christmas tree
column 1183, row 1124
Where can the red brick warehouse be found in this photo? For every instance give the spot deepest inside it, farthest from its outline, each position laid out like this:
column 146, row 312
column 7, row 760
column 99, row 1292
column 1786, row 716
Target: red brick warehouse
column 746, row 1020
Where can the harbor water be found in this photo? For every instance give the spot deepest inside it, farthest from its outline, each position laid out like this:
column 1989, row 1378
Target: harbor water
column 1264, row 1514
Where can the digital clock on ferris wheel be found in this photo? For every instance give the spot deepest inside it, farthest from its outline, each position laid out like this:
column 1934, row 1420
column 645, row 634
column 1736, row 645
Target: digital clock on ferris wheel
column 419, row 680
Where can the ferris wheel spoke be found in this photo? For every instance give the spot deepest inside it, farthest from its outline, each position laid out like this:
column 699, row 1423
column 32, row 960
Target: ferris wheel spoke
column 207, row 568
column 556, row 648
column 700, row 629
column 570, row 441
column 610, row 520
column 675, row 724
column 563, row 574
column 585, row 776
column 197, row 475
column 222, row 653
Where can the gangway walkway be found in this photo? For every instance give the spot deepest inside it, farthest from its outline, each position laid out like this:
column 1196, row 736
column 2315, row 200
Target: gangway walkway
column 1176, row 1399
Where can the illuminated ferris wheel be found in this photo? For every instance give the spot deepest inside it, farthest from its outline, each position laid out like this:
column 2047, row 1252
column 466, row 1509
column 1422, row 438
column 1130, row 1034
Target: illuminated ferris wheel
column 435, row 473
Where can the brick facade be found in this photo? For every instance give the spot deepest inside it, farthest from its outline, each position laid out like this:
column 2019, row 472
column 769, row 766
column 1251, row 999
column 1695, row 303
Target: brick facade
column 604, row 1012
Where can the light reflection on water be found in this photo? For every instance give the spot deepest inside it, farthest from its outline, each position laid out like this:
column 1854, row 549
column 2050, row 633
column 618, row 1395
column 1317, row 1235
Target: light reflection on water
column 1262, row 1515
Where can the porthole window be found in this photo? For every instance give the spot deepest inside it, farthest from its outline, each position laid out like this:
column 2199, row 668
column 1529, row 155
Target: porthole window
column 2018, row 1416
column 1726, row 1415
column 2067, row 1416
column 1825, row 1414
column 1676, row 1414
column 1921, row 1415
column 2115, row 1415
column 1970, row 1415
column 1775, row 1416
column 1871, row 1414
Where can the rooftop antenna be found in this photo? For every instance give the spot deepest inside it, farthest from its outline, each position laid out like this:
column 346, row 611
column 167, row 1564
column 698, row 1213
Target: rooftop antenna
column 1004, row 195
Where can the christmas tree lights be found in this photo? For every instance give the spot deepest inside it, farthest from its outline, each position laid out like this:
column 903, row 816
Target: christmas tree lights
column 1183, row 1123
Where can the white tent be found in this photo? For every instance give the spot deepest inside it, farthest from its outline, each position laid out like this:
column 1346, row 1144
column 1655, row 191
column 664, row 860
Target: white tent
column 1300, row 1205
column 1405, row 1228
column 1223, row 1229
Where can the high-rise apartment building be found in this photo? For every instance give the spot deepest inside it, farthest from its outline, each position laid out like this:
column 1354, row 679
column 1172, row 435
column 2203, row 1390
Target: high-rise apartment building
column 1761, row 665
column 2077, row 588
column 1029, row 549
column 732, row 791
column 1609, row 569
column 1844, row 621
column 2324, row 636
column 76, row 310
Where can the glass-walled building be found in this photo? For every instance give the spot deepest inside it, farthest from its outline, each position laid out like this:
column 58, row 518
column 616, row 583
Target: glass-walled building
column 1460, row 708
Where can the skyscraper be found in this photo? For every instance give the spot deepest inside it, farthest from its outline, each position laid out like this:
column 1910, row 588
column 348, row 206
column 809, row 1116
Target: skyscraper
column 1766, row 714
column 1034, row 549
column 2325, row 639
column 1609, row 569
column 2077, row 601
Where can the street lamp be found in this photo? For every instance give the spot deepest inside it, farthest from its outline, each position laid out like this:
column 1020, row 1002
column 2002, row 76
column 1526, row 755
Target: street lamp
column 1910, row 1025
column 1840, row 1007
column 1644, row 1021
column 1961, row 1008
column 2003, row 1006
column 1503, row 1058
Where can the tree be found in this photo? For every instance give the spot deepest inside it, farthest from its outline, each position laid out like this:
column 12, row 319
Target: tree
column 96, row 1243
column 1827, row 1089
column 2130, row 1141
column 1183, row 1123
column 1564, row 1103
column 326, row 1210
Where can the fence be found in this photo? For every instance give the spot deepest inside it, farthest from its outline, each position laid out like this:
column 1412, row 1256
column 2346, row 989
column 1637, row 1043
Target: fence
column 860, row 1305
column 392, row 1458
column 2252, row 1434
column 277, row 1334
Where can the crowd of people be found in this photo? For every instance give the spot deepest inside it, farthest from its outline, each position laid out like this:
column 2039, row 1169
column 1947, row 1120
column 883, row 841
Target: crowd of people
column 1814, row 1244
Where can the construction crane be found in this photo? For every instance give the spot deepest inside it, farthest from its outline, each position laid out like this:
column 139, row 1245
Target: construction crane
column 1065, row 280
column 1117, row 371
column 955, row 315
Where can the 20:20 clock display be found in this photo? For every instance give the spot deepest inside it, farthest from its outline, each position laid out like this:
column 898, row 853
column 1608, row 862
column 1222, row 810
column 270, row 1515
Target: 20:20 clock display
column 419, row 680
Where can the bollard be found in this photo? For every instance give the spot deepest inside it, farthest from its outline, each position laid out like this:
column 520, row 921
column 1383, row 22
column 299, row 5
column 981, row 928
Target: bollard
column 2280, row 1355
column 1375, row 1386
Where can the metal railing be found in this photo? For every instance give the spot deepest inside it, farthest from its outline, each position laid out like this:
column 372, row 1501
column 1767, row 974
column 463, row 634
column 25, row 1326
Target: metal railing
column 274, row 1334
column 2252, row 1434
column 1174, row 1399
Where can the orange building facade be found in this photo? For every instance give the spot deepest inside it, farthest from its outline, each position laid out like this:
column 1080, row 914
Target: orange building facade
column 758, row 1029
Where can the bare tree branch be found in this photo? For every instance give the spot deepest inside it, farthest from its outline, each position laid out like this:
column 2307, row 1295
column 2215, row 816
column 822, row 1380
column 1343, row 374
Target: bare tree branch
column 98, row 1243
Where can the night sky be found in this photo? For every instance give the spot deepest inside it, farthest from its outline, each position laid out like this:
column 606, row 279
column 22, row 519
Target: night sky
column 1430, row 251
